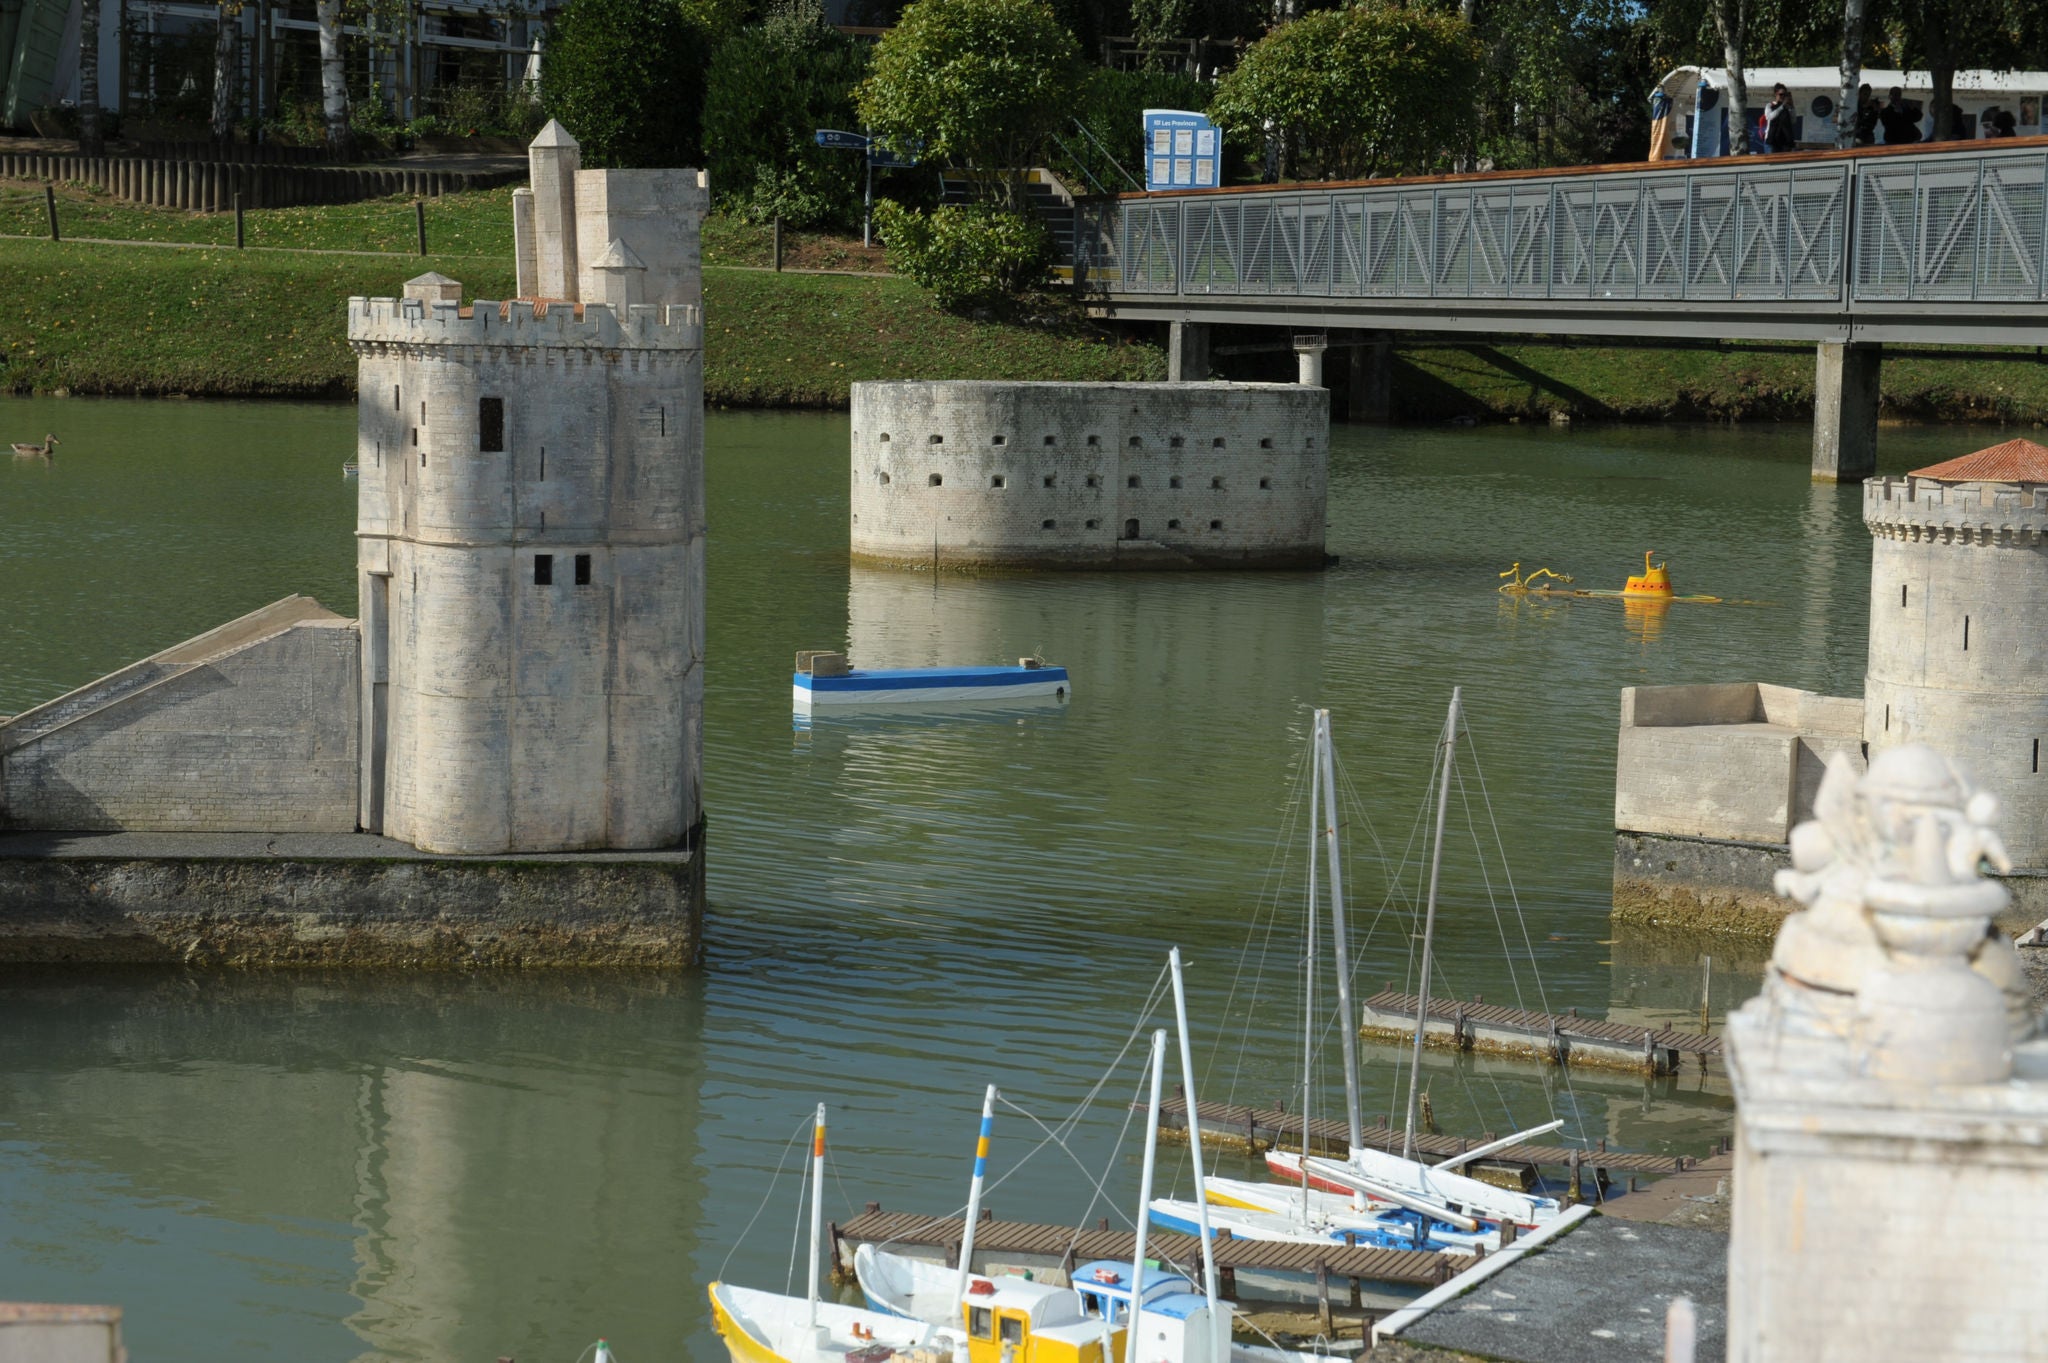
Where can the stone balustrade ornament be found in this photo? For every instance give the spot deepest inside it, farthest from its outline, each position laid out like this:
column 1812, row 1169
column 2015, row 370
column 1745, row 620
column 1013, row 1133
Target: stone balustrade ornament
column 1893, row 970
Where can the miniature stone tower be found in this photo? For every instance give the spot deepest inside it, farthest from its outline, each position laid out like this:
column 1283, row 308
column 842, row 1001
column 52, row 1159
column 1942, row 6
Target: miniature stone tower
column 531, row 530
column 1959, row 624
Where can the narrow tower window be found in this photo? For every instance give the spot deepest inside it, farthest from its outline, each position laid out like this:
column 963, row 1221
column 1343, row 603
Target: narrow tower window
column 1173, row 481
column 543, row 463
column 997, row 481
column 1216, row 485
column 2037, row 756
column 1131, row 481
column 1966, row 634
column 423, row 413
column 1051, row 480
column 397, row 405
column 543, row 570
column 935, row 480
column 490, row 424
column 1902, row 595
column 583, row 570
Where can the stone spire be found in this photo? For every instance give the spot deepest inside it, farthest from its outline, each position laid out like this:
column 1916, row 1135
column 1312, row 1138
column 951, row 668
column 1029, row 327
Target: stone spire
column 552, row 159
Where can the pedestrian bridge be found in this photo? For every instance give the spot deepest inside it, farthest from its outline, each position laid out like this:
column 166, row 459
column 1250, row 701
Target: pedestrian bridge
column 1939, row 242
column 1935, row 243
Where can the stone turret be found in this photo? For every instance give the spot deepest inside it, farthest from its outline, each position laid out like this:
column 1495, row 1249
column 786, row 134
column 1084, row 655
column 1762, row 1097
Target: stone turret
column 531, row 532
column 1959, row 623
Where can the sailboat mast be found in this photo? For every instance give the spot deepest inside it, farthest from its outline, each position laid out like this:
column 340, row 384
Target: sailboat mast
column 1308, row 988
column 1218, row 1321
column 817, row 1205
column 1326, row 759
column 1145, row 1199
column 988, row 1126
column 1436, row 861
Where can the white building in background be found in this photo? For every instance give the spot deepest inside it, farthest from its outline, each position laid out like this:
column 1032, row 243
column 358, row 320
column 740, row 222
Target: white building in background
column 156, row 56
column 1817, row 90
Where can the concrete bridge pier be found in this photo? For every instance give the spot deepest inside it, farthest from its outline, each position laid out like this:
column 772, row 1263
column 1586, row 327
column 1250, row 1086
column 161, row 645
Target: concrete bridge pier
column 1845, row 393
column 1371, row 394
column 1187, row 352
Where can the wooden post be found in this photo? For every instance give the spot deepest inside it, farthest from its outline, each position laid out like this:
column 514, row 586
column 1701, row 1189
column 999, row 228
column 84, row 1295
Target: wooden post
column 50, row 203
column 838, row 1263
column 1706, row 991
column 1323, row 1299
column 238, row 222
column 1508, row 1231
column 778, row 243
column 1572, row 1199
column 873, row 1208
column 419, row 215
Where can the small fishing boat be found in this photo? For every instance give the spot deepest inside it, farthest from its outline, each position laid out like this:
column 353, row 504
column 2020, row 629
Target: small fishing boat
column 824, row 679
column 350, row 470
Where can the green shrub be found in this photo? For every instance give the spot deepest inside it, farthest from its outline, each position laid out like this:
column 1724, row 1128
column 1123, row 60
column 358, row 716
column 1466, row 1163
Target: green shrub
column 762, row 154
column 1372, row 89
column 968, row 255
column 626, row 78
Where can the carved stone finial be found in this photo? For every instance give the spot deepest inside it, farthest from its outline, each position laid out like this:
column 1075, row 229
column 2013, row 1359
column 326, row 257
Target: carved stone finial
column 1895, row 955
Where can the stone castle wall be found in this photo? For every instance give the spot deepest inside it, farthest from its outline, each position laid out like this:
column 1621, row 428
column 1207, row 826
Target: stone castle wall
column 1039, row 475
column 531, row 541
column 1958, row 635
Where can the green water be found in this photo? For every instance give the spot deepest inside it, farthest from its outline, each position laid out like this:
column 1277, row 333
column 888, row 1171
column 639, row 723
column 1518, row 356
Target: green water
column 440, row 1168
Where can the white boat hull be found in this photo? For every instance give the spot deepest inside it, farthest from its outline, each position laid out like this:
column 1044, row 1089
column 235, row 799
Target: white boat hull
column 767, row 1327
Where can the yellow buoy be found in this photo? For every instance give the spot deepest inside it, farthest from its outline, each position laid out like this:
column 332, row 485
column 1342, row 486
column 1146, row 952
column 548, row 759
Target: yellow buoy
column 1655, row 581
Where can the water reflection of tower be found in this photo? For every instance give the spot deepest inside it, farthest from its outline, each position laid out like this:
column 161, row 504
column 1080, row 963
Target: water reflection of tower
column 511, row 1160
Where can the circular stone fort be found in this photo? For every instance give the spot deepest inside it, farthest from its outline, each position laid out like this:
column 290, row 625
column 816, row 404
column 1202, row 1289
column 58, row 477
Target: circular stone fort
column 968, row 475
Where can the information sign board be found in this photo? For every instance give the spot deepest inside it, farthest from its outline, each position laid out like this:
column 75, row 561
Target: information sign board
column 1182, row 151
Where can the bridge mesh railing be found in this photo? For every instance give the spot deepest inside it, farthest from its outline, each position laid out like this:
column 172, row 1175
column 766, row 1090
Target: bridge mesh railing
column 1943, row 226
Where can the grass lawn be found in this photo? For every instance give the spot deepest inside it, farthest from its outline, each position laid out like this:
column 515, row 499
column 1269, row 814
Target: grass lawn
column 139, row 319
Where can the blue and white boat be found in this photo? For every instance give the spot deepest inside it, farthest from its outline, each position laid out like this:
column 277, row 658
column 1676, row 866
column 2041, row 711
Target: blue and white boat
column 824, row 679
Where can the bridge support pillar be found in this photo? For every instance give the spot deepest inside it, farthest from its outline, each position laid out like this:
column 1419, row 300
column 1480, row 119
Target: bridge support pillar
column 1187, row 352
column 1371, row 394
column 1845, row 392
column 1308, row 353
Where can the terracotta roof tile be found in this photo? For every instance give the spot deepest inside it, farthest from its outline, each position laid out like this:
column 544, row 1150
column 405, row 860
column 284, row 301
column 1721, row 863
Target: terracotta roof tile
column 2015, row 461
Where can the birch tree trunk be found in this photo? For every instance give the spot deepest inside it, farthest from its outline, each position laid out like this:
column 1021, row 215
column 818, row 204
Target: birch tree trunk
column 1943, row 69
column 333, row 77
column 1852, row 73
column 224, row 70
column 90, row 140
column 1728, row 21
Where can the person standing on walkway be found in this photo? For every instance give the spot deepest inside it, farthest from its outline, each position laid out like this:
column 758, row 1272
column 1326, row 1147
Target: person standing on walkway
column 1866, row 117
column 1777, row 120
column 1900, row 117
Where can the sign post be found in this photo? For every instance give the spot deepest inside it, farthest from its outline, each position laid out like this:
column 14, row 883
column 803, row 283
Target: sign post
column 834, row 139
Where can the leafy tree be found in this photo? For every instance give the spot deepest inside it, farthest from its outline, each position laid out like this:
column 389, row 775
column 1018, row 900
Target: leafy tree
column 1368, row 90
column 763, row 156
column 977, row 83
column 90, row 139
column 626, row 77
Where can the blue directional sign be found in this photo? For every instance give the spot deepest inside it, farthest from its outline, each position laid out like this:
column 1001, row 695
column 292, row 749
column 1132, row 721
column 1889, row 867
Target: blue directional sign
column 889, row 158
column 1182, row 151
column 842, row 141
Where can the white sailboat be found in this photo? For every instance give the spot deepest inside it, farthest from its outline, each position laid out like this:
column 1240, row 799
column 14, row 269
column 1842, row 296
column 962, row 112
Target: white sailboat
column 1370, row 1198
column 1112, row 1310
column 771, row 1327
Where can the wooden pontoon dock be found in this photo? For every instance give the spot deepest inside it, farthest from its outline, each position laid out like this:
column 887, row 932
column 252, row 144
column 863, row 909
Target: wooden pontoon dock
column 1266, row 1128
column 1562, row 1038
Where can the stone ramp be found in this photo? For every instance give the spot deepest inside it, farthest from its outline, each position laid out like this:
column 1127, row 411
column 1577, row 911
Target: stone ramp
column 124, row 682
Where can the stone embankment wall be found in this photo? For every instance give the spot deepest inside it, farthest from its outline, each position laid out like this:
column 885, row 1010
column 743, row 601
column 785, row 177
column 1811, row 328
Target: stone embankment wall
column 1064, row 475
column 249, row 726
column 1958, row 648
column 1709, row 781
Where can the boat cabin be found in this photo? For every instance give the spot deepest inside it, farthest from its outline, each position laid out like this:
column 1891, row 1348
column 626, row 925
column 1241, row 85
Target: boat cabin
column 1105, row 1288
column 1013, row 1320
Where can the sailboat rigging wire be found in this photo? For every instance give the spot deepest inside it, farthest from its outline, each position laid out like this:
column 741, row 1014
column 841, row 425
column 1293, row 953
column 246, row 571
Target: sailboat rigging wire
column 802, row 1130
column 796, row 1232
column 1271, row 885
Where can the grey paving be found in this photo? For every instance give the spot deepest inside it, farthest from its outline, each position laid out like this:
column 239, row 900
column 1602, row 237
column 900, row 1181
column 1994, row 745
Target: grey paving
column 1597, row 1294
